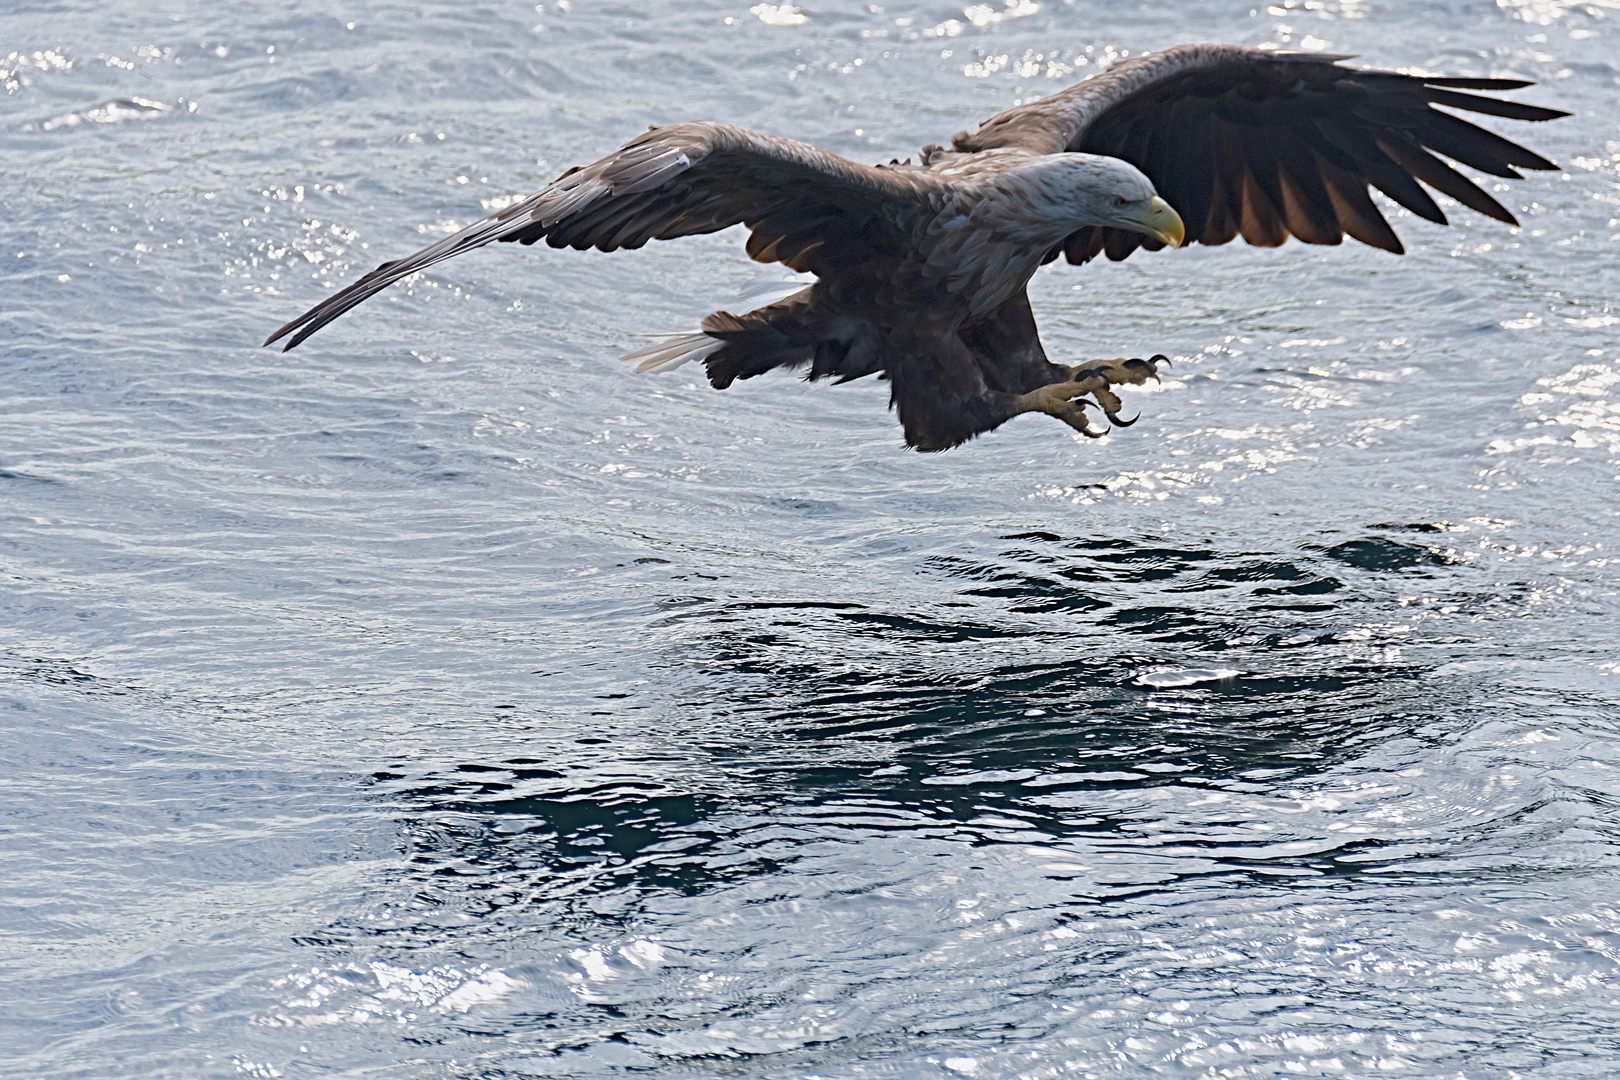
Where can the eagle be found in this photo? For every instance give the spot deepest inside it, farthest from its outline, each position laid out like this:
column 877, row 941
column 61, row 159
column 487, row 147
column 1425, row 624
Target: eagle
column 921, row 268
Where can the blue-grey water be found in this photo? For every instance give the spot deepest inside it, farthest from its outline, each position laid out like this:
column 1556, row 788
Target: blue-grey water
column 443, row 700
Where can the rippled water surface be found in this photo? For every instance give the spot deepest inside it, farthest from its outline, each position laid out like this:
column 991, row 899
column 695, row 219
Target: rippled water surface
column 442, row 700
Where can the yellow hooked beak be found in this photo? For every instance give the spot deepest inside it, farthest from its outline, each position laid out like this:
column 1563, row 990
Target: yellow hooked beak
column 1163, row 223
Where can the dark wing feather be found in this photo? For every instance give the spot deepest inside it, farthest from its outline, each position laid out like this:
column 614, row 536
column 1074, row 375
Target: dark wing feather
column 1354, row 207
column 1309, row 208
column 1375, row 166
column 1268, row 144
column 1184, row 159
column 807, row 208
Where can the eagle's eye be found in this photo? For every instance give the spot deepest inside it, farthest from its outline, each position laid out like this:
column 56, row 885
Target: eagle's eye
column 1121, row 202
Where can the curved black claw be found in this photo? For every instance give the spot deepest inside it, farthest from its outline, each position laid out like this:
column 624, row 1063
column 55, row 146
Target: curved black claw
column 1113, row 418
column 1138, row 363
column 1077, row 418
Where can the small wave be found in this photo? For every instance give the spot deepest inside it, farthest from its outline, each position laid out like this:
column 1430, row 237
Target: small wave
column 1165, row 678
column 113, row 112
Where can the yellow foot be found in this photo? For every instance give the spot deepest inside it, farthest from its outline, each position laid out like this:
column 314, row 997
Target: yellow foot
column 1094, row 378
column 1103, row 373
column 1133, row 372
column 1059, row 400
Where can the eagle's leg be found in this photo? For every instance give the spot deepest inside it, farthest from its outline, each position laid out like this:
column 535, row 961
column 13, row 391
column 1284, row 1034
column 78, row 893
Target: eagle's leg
column 1062, row 400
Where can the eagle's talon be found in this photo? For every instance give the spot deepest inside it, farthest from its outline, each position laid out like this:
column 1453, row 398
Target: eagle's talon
column 1075, row 416
column 1142, row 370
column 1081, row 422
column 1064, row 402
column 1133, row 371
column 1094, row 378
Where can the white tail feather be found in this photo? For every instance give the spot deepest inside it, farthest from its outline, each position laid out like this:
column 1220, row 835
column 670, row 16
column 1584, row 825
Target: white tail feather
column 670, row 351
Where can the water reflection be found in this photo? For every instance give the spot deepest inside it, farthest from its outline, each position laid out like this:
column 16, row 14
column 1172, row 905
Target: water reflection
column 1083, row 884
column 1126, row 782
column 1102, row 864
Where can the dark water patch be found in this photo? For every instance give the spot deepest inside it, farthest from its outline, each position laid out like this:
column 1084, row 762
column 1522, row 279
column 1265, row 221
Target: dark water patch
column 27, row 477
column 1419, row 527
column 906, row 626
column 978, row 766
column 1379, row 554
column 1048, row 589
column 795, row 605
column 64, row 673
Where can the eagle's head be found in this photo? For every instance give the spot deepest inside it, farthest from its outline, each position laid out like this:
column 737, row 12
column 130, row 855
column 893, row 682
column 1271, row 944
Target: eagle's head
column 1087, row 189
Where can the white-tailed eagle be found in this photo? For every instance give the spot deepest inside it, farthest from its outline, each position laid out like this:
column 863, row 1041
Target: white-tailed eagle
column 921, row 268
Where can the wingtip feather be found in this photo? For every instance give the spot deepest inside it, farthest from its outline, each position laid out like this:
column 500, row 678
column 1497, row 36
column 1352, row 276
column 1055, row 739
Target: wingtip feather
column 284, row 330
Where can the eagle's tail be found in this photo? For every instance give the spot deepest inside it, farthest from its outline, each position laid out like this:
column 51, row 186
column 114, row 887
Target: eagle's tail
column 760, row 341
column 670, row 351
column 737, row 346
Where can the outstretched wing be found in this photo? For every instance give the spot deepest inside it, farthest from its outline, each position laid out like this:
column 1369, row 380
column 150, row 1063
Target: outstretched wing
column 807, row 208
column 1261, row 144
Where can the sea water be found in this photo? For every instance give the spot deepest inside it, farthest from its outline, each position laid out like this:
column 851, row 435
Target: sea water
column 441, row 699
